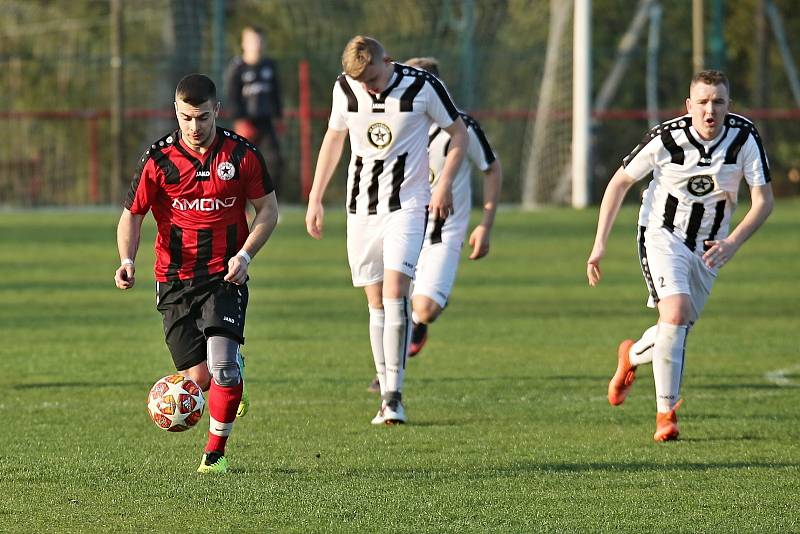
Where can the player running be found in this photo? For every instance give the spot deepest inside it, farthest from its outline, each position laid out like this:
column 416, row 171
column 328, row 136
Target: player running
column 197, row 181
column 697, row 161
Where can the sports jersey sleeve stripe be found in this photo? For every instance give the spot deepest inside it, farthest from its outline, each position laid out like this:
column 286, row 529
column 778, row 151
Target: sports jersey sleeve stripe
column 407, row 98
column 137, row 179
column 762, row 154
column 764, row 162
column 736, row 146
column 662, row 135
column 475, row 127
column 675, row 152
column 753, row 131
column 236, row 158
column 171, row 173
column 444, row 96
column 639, row 162
column 352, row 101
column 266, row 180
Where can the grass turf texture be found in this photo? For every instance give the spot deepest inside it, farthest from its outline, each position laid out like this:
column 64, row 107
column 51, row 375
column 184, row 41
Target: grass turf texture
column 509, row 426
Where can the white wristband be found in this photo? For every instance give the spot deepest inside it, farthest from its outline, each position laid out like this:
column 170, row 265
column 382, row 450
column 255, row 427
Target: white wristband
column 126, row 261
column 243, row 253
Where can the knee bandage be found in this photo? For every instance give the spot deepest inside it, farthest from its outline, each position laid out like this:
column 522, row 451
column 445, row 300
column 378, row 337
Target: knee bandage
column 222, row 363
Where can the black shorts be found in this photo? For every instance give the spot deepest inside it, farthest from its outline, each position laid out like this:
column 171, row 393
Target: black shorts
column 194, row 310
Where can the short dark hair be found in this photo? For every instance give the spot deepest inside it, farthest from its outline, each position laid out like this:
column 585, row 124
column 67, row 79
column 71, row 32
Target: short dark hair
column 710, row 77
column 194, row 89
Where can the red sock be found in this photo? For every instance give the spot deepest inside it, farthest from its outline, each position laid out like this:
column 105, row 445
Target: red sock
column 222, row 405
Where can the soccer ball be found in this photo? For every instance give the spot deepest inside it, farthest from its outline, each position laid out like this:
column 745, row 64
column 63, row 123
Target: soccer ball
column 175, row 403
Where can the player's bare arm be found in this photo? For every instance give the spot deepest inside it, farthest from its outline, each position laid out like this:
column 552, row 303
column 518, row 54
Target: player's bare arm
column 722, row 250
column 264, row 222
column 329, row 154
column 609, row 208
column 129, row 231
column 480, row 236
column 442, row 200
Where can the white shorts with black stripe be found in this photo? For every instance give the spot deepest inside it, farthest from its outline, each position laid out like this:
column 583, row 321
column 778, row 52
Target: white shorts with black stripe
column 670, row 268
column 438, row 262
column 379, row 242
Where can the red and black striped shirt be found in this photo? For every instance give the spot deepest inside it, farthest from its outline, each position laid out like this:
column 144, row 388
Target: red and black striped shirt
column 198, row 201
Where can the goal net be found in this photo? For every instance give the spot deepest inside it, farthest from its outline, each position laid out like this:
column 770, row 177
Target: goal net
column 546, row 176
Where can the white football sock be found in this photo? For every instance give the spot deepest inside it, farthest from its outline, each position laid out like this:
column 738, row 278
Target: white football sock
column 642, row 351
column 376, row 320
column 668, row 354
column 396, row 338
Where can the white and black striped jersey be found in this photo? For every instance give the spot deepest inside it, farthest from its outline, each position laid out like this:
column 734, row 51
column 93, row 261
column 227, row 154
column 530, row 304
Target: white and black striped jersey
column 479, row 152
column 695, row 182
column 389, row 138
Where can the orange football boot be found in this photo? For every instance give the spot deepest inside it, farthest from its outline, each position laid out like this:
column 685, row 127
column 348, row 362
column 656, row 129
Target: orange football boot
column 667, row 424
column 623, row 379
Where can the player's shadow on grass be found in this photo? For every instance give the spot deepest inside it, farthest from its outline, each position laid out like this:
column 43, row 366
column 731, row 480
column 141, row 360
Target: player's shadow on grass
column 652, row 466
column 742, row 386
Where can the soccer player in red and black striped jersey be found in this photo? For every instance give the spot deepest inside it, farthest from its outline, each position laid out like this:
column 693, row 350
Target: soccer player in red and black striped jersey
column 197, row 181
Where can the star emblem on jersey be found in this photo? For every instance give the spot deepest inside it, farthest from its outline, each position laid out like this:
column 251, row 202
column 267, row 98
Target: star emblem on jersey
column 700, row 185
column 379, row 135
column 226, row 170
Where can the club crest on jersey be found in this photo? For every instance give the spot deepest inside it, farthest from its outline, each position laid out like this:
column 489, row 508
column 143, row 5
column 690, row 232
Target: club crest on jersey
column 226, row 170
column 379, row 135
column 700, row 185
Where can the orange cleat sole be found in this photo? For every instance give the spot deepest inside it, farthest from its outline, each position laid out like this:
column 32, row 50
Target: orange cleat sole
column 667, row 425
column 621, row 382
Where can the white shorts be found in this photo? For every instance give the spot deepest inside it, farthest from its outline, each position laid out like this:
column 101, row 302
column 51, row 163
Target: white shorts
column 670, row 268
column 390, row 241
column 436, row 271
column 438, row 262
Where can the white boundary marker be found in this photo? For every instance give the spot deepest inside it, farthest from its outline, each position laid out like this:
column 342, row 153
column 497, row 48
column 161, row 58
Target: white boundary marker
column 779, row 378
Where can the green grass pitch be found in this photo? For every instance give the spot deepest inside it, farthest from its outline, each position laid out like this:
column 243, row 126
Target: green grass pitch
column 509, row 427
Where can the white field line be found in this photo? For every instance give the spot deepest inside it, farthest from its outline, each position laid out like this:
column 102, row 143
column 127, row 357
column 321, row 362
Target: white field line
column 779, row 378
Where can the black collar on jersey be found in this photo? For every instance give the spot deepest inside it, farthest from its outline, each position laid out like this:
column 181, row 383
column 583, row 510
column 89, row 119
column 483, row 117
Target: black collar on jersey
column 705, row 157
column 209, row 155
column 379, row 100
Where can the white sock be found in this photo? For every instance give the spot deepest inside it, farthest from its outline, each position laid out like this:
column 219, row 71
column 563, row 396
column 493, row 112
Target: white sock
column 415, row 317
column 642, row 351
column 668, row 353
column 376, row 321
column 396, row 338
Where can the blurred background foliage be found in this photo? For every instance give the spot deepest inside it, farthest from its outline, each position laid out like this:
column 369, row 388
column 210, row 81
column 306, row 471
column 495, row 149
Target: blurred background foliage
column 55, row 73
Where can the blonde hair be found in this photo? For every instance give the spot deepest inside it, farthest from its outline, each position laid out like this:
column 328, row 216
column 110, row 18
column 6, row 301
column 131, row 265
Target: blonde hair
column 429, row 64
column 360, row 53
